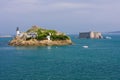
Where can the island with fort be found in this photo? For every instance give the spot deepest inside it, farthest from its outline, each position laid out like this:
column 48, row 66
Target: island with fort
column 37, row 36
column 91, row 35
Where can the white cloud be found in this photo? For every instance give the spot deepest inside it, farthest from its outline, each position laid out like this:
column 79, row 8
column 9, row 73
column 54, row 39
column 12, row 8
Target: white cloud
column 25, row 6
column 19, row 6
column 40, row 6
column 67, row 12
column 65, row 5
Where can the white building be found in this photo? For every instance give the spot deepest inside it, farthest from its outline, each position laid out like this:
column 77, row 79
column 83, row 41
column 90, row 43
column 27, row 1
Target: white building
column 48, row 37
column 17, row 32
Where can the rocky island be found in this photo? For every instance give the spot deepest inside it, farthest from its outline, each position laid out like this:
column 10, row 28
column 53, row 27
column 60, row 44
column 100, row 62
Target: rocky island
column 37, row 36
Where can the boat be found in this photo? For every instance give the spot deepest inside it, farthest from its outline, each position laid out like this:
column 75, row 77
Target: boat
column 85, row 46
column 107, row 37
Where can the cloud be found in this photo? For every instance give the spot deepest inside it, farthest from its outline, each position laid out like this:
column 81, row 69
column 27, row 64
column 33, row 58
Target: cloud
column 26, row 6
column 83, row 8
column 68, row 5
column 61, row 13
column 19, row 6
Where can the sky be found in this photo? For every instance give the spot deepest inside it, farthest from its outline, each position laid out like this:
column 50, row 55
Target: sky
column 68, row 16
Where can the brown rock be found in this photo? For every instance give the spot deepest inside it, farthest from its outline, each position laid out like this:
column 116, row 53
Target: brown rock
column 34, row 42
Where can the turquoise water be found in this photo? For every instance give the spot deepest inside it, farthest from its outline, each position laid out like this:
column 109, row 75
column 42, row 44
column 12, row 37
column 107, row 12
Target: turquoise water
column 100, row 61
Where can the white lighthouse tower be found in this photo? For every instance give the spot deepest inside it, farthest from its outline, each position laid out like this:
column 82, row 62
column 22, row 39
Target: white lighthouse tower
column 17, row 32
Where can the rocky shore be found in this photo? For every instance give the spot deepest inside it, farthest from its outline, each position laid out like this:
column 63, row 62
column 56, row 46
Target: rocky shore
column 34, row 42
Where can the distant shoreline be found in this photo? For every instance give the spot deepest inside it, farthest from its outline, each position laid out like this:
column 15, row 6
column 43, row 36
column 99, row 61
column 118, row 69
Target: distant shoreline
column 115, row 32
column 6, row 36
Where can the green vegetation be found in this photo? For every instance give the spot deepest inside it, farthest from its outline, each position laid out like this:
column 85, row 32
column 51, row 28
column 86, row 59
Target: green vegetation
column 28, row 38
column 59, row 37
column 43, row 33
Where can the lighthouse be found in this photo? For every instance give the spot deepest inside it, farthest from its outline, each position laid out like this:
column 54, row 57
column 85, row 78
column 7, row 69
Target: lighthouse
column 17, row 31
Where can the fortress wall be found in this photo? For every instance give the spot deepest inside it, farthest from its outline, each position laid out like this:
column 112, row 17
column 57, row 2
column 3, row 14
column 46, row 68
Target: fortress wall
column 84, row 35
column 92, row 35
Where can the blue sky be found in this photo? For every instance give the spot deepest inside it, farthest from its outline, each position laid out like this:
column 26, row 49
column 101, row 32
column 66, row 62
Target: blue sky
column 69, row 16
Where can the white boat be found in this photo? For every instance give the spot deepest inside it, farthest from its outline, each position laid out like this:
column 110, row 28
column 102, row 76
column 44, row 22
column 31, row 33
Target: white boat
column 85, row 46
column 107, row 37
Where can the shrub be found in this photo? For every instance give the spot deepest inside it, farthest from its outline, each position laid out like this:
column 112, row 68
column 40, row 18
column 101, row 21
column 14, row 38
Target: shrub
column 42, row 34
column 28, row 38
column 41, row 37
column 59, row 37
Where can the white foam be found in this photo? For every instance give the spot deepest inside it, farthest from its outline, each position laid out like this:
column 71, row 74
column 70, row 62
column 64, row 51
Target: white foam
column 107, row 37
column 85, row 46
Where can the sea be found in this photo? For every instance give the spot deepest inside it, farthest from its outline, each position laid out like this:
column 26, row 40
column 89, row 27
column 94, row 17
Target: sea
column 100, row 60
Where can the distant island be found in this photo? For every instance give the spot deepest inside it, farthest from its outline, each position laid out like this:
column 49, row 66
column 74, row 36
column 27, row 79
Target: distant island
column 37, row 36
column 5, row 36
column 115, row 32
column 90, row 35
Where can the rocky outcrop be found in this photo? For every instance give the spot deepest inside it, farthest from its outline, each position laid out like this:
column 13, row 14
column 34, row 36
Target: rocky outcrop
column 34, row 42
column 36, row 36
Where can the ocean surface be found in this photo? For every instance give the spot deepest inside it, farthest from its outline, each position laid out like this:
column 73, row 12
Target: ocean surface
column 100, row 61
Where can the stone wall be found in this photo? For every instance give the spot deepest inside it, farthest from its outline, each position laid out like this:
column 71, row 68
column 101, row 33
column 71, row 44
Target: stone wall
column 92, row 35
